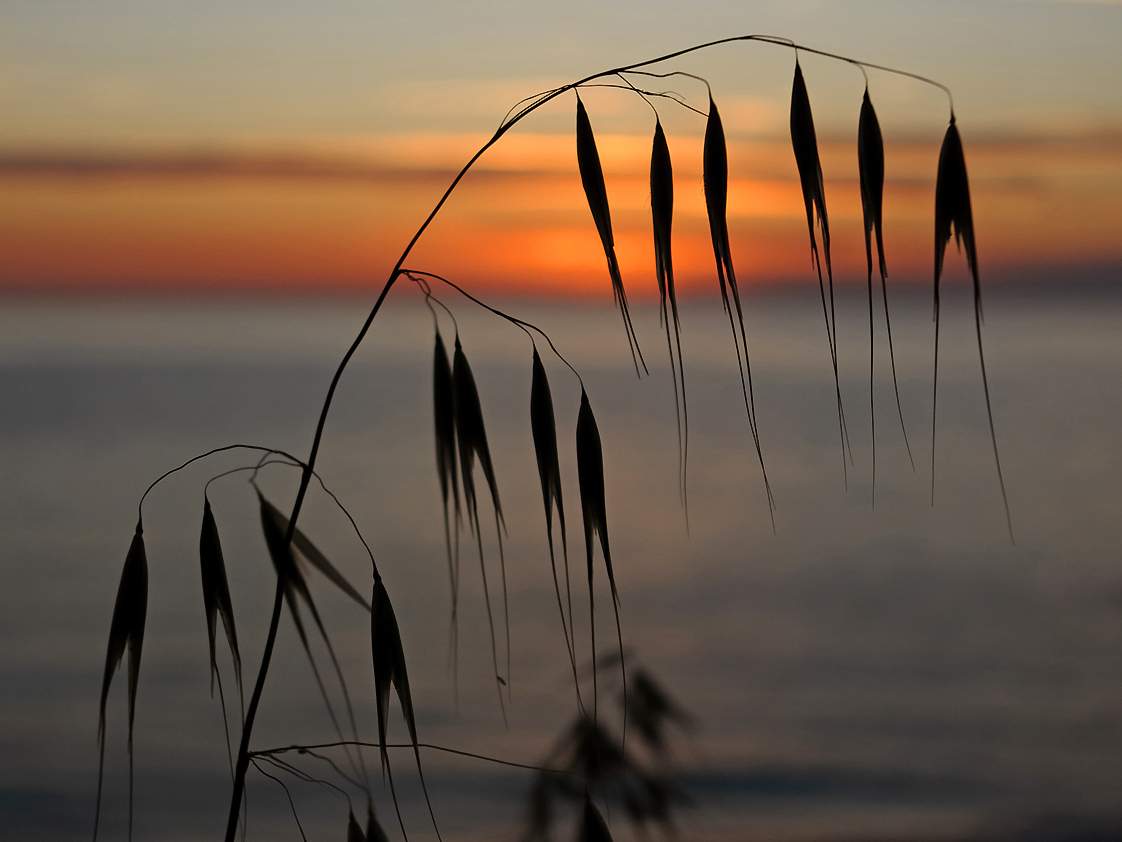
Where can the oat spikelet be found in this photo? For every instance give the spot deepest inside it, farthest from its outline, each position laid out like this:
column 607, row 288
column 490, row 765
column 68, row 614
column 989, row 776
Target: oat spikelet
column 662, row 217
column 953, row 212
column 590, row 474
column 593, row 828
column 471, row 440
column 216, row 594
column 543, row 425
column 126, row 631
column 354, row 831
column 295, row 587
column 805, row 145
column 310, row 553
column 870, row 164
column 374, row 832
column 444, row 423
column 715, row 173
column 390, row 673
column 592, row 178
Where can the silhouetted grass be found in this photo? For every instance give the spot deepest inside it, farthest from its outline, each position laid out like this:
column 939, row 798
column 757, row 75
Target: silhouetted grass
column 593, row 756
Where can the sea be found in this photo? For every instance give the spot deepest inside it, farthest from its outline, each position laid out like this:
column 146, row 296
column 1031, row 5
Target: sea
column 931, row 652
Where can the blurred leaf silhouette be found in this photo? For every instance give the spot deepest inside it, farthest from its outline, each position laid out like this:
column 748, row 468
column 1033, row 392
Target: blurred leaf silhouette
column 593, row 762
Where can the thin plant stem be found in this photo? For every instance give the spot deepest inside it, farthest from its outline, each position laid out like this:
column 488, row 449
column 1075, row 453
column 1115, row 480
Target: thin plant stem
column 432, row 746
column 508, row 123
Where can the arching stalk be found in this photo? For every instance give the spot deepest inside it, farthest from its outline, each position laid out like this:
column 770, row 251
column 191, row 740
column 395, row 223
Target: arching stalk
column 511, row 120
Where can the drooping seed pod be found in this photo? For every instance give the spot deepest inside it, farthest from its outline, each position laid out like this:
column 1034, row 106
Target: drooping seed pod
column 126, row 631
column 592, row 179
column 805, row 145
column 216, row 594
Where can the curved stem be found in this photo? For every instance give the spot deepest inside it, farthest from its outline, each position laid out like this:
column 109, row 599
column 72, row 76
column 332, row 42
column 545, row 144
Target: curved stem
column 783, row 42
column 251, row 714
column 266, row 450
column 342, row 743
column 508, row 123
column 524, row 326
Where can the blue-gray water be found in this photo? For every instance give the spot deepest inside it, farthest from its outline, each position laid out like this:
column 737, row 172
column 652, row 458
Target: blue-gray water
column 897, row 671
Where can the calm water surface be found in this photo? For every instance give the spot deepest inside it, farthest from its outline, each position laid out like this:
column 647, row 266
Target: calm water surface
column 861, row 671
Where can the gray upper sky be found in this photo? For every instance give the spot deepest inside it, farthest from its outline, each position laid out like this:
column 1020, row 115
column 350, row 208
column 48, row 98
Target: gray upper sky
column 78, row 74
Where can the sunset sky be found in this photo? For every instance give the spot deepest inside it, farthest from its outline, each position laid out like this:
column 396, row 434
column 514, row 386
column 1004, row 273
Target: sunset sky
column 200, row 199
column 250, row 146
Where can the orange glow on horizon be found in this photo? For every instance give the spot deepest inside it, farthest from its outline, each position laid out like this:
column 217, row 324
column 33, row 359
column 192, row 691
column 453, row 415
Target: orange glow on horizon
column 521, row 224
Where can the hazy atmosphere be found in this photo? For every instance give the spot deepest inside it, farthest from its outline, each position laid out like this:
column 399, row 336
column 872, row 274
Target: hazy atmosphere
column 199, row 204
column 288, row 144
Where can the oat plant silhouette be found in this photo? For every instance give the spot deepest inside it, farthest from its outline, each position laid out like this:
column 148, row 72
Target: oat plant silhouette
column 464, row 461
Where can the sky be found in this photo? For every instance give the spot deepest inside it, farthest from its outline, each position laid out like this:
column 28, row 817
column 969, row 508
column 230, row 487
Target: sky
column 262, row 147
